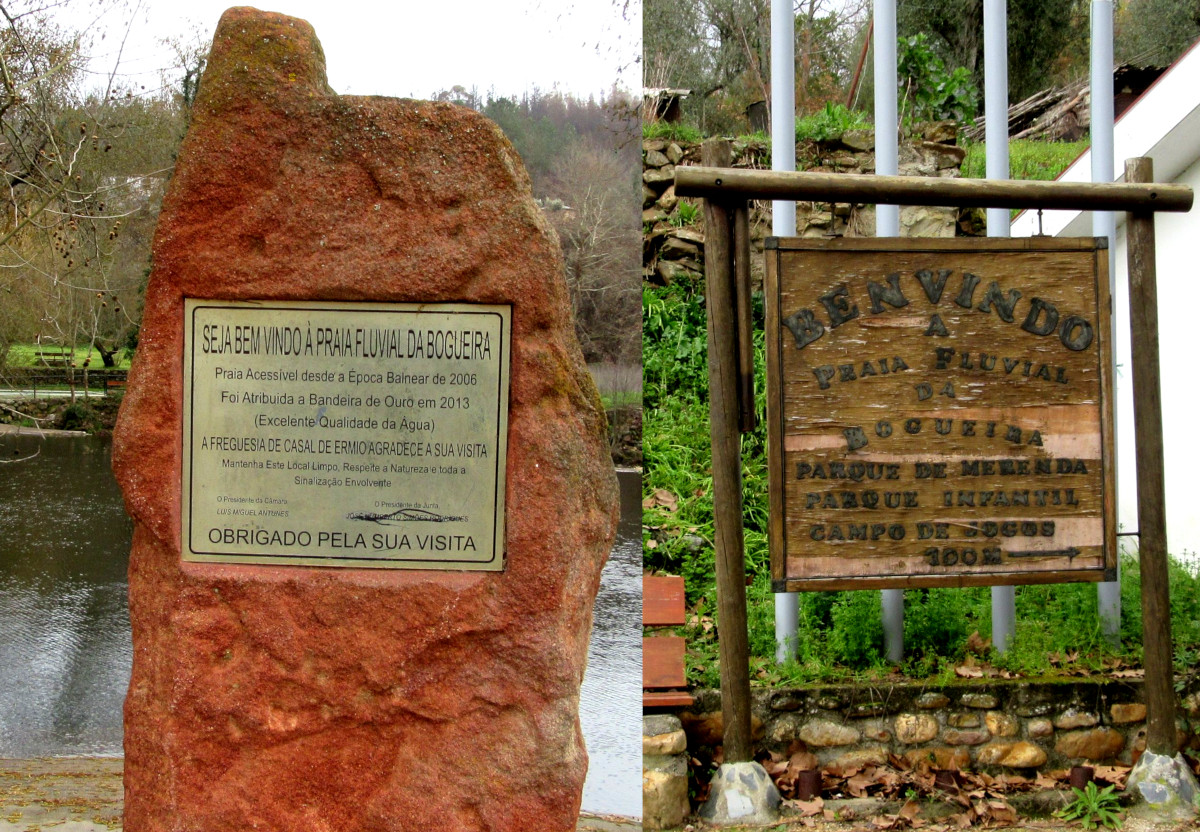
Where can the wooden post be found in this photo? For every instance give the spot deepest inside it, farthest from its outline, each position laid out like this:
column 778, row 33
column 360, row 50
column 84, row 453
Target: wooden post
column 723, row 396
column 1148, row 440
column 745, row 327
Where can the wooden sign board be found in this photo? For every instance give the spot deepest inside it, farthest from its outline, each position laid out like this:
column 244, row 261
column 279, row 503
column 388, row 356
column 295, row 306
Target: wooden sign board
column 939, row 412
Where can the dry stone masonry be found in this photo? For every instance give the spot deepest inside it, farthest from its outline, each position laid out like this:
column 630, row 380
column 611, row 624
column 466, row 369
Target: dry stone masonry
column 664, row 772
column 673, row 240
column 1002, row 727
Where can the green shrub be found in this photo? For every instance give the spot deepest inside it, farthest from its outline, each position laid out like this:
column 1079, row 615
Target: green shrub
column 856, row 639
column 930, row 92
column 937, row 623
column 78, row 416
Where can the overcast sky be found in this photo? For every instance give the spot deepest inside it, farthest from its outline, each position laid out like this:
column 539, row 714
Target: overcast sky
column 405, row 49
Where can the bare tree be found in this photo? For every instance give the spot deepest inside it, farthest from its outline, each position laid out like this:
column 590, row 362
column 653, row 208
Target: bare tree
column 84, row 176
column 599, row 226
column 720, row 50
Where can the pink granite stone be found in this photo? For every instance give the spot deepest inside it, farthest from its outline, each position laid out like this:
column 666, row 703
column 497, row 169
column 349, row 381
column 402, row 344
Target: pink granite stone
column 300, row 698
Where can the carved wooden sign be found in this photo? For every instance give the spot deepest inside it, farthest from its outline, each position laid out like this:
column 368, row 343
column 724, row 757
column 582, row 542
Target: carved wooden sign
column 939, row 412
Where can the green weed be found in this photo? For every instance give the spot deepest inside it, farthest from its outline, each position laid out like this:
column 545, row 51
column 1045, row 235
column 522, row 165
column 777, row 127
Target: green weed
column 1093, row 807
column 686, row 213
column 830, row 123
column 672, row 132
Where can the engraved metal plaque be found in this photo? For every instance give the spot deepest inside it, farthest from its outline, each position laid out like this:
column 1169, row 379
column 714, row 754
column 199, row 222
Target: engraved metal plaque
column 939, row 413
column 345, row 434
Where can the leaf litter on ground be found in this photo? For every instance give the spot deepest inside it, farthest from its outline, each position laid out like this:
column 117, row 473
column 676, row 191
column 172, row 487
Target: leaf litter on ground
column 981, row 798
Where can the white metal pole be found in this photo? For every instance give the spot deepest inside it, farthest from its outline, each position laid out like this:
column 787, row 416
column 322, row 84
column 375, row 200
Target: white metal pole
column 783, row 224
column 887, row 145
column 1104, row 224
column 995, row 70
column 887, row 224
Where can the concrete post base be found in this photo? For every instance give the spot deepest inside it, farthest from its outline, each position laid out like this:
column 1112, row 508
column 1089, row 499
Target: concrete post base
column 1165, row 787
column 741, row 793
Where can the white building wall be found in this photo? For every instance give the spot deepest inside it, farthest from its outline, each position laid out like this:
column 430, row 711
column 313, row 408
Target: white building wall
column 1163, row 124
column 1178, row 260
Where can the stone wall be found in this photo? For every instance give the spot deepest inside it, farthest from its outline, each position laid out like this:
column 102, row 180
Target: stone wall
column 673, row 230
column 989, row 726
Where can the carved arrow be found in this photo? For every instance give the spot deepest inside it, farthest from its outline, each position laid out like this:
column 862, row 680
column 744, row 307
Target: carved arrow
column 1070, row 553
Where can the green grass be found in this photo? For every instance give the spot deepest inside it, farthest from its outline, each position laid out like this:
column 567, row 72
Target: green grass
column 25, row 355
column 757, row 137
column 840, row 634
column 619, row 385
column 673, row 132
column 1026, row 159
column 830, row 123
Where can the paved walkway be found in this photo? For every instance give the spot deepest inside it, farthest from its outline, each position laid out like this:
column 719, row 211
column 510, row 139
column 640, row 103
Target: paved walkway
column 84, row 794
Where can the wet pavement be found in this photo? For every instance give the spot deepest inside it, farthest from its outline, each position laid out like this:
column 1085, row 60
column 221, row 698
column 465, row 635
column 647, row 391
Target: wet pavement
column 85, row 794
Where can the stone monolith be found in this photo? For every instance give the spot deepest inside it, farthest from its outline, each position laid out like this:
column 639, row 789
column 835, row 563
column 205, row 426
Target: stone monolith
column 267, row 694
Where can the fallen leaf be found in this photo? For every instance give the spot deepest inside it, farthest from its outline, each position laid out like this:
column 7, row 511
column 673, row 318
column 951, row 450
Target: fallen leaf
column 775, row 767
column 652, row 543
column 1116, row 775
column 978, row 645
column 858, row 784
column 804, row 759
column 968, row 672
column 910, row 810
column 1044, row 782
column 809, row 808
column 662, row 498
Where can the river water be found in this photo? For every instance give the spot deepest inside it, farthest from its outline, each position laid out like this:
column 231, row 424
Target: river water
column 65, row 649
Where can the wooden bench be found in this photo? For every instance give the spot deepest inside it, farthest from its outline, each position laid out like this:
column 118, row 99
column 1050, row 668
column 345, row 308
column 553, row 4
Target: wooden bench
column 664, row 681
column 113, row 384
column 55, row 356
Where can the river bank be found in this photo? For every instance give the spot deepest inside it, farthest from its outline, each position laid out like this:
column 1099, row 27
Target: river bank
column 93, row 415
